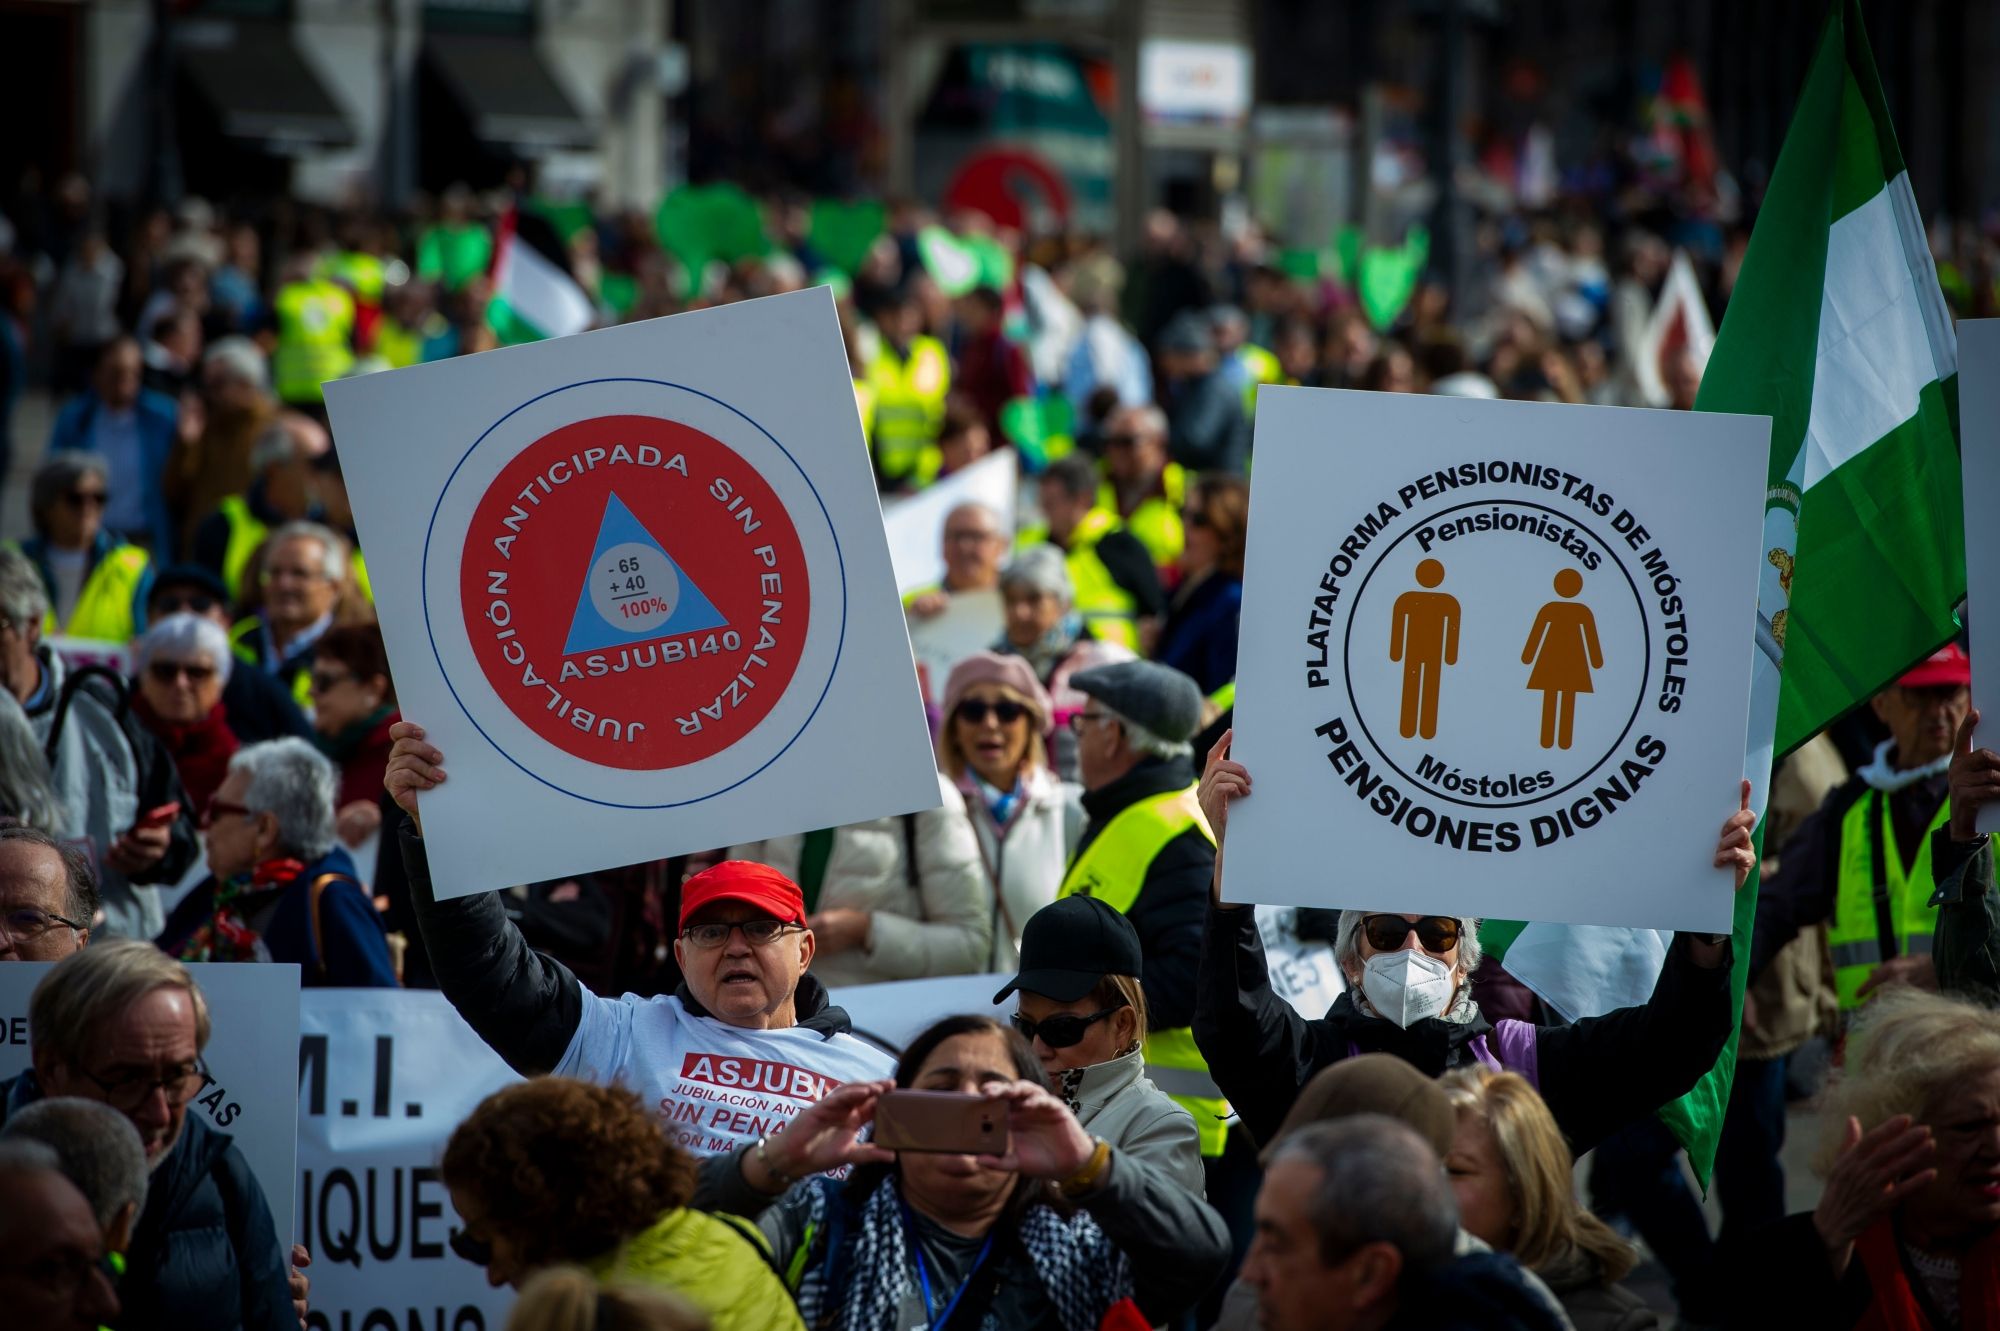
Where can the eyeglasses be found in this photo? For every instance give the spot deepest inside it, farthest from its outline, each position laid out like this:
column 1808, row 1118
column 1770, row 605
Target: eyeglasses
column 166, row 672
column 281, row 573
column 475, row 1250
column 758, row 933
column 322, row 680
column 62, row 1275
column 195, row 604
column 1194, row 517
column 127, row 1094
column 86, row 498
column 1077, row 719
column 970, row 537
column 26, row 922
column 222, row 809
column 976, row 710
column 1385, row 933
column 1124, row 437
column 1062, row 1030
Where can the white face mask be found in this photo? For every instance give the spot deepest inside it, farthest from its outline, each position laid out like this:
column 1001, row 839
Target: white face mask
column 1407, row 986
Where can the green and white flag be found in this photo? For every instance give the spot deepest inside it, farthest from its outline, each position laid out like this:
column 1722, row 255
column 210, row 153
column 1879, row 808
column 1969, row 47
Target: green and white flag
column 1837, row 331
column 534, row 295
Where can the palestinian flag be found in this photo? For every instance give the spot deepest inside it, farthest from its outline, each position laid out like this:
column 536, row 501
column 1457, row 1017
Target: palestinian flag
column 534, row 295
column 1836, row 330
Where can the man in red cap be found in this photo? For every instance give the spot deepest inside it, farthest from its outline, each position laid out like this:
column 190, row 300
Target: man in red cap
column 747, row 1041
column 1862, row 861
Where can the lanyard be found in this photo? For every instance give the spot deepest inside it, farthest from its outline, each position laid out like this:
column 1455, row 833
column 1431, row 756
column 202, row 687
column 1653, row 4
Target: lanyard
column 938, row 1319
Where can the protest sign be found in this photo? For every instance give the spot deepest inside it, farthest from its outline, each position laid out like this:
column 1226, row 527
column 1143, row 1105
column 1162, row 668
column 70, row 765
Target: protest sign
column 916, row 525
column 385, row 1075
column 1498, row 653
column 633, row 583
column 1979, row 458
column 253, row 1037
column 970, row 622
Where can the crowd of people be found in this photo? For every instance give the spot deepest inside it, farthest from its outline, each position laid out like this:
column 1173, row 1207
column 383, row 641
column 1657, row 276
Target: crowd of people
column 202, row 759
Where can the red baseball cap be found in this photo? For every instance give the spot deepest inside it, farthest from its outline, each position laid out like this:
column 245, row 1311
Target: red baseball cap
column 747, row 881
column 1947, row 665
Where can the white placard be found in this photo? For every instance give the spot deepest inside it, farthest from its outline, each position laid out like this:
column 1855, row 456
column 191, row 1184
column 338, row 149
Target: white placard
column 253, row 1041
column 385, row 1075
column 1495, row 657
column 1202, row 82
column 1979, row 456
column 633, row 584
column 916, row 525
column 970, row 622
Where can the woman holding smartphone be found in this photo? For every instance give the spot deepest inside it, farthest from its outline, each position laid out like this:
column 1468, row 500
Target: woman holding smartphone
column 1057, row 1230
column 1083, row 1011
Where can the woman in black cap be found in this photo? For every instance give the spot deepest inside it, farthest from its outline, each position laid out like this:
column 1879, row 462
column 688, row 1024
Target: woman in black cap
column 1083, row 1012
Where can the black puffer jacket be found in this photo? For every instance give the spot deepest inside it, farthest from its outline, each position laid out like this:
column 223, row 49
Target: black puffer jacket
column 205, row 1255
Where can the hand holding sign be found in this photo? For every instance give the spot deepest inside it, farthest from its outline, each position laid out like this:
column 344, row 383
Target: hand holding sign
column 1974, row 780
column 413, row 766
column 1221, row 782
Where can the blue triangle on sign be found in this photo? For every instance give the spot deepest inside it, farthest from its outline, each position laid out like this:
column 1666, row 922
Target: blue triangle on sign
column 591, row 631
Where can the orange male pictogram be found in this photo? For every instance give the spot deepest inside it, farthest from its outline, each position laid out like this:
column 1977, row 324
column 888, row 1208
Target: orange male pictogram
column 1423, row 635
column 1563, row 649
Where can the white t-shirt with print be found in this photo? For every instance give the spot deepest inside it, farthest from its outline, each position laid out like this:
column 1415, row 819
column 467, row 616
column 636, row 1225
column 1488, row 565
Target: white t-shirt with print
column 714, row 1086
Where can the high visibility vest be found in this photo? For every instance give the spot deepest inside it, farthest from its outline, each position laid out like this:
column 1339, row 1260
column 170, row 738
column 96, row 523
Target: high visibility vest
column 358, row 567
column 105, row 609
column 315, row 339
column 246, row 532
column 909, row 403
column 1260, row 367
column 300, row 682
column 362, row 272
column 1223, row 698
column 1113, row 869
column 1107, row 608
column 1157, row 521
column 1879, row 910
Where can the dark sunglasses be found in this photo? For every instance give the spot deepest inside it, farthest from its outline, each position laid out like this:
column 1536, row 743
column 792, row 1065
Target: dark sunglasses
column 322, row 680
column 1437, row 933
column 976, row 710
column 86, row 498
column 477, row 1251
column 196, row 604
column 1062, row 1030
column 166, row 672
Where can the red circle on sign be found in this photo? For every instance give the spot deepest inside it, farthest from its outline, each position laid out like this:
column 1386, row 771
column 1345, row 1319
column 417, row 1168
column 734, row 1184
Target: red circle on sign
column 635, row 593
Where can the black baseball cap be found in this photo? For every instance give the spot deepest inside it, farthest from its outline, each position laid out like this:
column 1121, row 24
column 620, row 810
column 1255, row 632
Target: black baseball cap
column 1071, row 944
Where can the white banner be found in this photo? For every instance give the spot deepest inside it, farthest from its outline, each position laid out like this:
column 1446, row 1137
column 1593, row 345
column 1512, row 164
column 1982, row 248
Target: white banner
column 1501, row 665
column 385, row 1075
column 253, row 1035
column 916, row 525
column 634, row 585
column 1979, row 457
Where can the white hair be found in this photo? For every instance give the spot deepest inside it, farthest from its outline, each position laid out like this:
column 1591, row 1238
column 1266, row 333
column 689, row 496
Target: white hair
column 97, row 1148
column 274, row 446
column 1347, row 941
column 1147, row 742
column 292, row 781
column 242, row 358
column 23, row 598
column 183, row 636
column 334, row 560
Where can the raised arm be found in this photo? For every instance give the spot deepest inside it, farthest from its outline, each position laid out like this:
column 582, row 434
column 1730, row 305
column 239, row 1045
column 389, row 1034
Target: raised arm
column 525, row 1005
column 1967, row 946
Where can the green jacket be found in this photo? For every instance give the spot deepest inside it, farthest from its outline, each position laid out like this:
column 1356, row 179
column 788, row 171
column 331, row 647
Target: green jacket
column 718, row 1263
column 1966, row 948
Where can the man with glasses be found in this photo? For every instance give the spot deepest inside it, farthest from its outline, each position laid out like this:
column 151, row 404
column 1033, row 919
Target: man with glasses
column 124, row 801
column 48, row 896
column 1141, row 485
column 124, row 1024
column 748, row 1040
column 96, row 581
column 257, row 705
column 304, row 571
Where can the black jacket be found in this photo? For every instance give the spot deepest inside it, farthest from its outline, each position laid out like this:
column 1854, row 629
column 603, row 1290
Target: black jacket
column 259, row 707
column 1967, row 946
column 1167, row 913
column 1596, row 1075
column 205, row 1255
column 527, row 1006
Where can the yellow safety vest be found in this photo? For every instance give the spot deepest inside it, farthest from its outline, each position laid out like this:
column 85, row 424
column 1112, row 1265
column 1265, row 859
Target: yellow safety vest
column 359, row 568
column 246, row 532
column 1157, row 521
column 300, row 684
column 315, row 339
column 1113, row 868
column 1107, row 608
column 1223, row 698
column 1260, row 367
column 1874, row 896
column 909, row 403
column 103, row 610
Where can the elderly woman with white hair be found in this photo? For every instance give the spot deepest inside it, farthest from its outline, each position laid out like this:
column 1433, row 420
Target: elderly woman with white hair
column 180, row 666
column 1044, row 628
column 281, row 888
column 1409, row 993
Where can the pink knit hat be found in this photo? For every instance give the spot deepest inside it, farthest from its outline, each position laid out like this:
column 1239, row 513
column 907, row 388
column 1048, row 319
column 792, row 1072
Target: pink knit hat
column 992, row 668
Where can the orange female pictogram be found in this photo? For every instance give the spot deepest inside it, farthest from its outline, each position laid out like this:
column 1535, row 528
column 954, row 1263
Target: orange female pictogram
column 1563, row 649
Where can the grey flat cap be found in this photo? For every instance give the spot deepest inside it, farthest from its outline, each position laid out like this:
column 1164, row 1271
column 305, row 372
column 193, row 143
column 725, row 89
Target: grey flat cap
column 1158, row 697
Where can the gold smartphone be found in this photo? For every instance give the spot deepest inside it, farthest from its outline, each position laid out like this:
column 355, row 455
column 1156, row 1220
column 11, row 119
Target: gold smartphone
column 946, row 1122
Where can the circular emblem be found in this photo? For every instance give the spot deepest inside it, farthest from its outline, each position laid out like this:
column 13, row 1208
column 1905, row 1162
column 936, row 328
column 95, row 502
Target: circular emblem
column 636, row 591
column 1550, row 623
